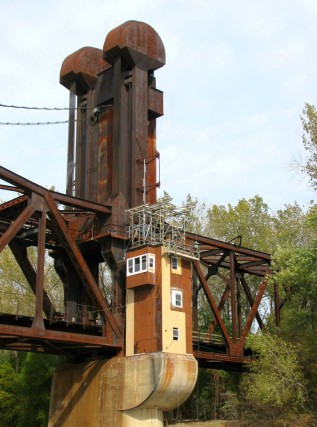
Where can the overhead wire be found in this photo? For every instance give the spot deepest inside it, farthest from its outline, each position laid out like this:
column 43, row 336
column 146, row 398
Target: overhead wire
column 23, row 107
column 33, row 123
column 57, row 122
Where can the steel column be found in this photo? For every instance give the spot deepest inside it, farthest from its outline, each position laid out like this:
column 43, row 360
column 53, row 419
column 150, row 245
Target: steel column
column 71, row 140
column 38, row 322
column 233, row 297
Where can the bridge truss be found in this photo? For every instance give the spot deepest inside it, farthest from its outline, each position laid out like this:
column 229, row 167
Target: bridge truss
column 52, row 222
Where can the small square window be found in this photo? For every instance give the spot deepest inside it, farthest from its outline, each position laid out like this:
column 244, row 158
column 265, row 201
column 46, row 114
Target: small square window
column 177, row 298
column 174, row 262
column 175, row 334
column 151, row 263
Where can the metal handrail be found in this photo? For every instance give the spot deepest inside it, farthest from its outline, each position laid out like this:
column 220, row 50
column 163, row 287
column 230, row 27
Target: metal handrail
column 207, row 337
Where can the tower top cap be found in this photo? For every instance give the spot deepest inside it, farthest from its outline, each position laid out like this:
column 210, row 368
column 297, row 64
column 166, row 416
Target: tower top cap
column 138, row 43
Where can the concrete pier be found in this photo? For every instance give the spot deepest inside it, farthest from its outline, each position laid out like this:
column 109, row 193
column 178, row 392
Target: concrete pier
column 129, row 391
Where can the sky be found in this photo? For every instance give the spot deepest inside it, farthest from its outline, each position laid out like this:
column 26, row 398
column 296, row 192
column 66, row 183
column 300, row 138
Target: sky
column 236, row 79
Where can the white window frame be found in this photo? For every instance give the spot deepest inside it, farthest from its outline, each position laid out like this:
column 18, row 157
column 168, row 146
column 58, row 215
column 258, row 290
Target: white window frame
column 177, row 296
column 140, row 264
column 151, row 263
column 130, row 267
column 176, row 335
column 174, row 259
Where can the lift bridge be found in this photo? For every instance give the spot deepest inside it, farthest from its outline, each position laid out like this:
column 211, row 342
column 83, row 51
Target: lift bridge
column 161, row 274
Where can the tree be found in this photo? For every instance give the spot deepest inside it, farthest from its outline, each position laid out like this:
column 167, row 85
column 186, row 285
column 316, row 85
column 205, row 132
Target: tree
column 248, row 223
column 290, row 228
column 25, row 384
column 35, row 387
column 309, row 122
column 9, row 400
column 25, row 379
column 275, row 385
column 16, row 294
column 197, row 217
column 296, row 276
column 252, row 223
column 260, row 228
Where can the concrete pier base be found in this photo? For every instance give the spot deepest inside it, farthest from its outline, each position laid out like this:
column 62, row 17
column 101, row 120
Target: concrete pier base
column 121, row 392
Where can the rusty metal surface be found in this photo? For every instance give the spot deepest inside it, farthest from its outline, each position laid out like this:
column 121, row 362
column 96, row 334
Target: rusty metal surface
column 113, row 165
column 36, row 220
column 82, row 67
column 217, row 258
column 216, row 360
column 138, row 43
column 215, row 253
column 59, row 338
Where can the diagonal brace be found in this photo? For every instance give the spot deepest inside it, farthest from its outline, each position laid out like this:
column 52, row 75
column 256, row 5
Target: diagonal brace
column 212, row 304
column 79, row 263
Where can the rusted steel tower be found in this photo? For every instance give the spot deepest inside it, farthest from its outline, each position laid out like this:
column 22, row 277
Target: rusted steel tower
column 112, row 156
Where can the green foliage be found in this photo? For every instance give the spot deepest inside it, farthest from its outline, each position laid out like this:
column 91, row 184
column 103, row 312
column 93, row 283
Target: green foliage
column 275, row 380
column 34, row 388
column 16, row 295
column 256, row 225
column 25, row 384
column 215, row 396
column 311, row 223
column 309, row 122
column 249, row 219
column 9, row 403
column 290, row 228
column 198, row 215
column 296, row 276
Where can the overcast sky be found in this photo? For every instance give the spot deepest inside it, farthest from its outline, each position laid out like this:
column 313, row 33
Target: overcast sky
column 237, row 77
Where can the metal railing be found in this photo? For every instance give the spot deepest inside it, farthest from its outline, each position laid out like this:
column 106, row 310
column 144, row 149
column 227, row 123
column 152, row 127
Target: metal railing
column 22, row 304
column 207, row 337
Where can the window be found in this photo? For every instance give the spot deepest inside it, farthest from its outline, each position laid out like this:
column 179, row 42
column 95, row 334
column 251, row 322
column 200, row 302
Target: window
column 130, row 266
column 175, row 334
column 139, row 264
column 174, row 262
column 151, row 263
column 144, row 262
column 177, row 298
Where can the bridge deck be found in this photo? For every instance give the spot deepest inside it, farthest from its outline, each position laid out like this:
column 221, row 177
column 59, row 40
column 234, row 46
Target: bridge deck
column 75, row 340
column 59, row 337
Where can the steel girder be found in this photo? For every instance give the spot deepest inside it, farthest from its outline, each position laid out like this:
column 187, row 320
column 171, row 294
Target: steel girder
column 35, row 219
column 231, row 265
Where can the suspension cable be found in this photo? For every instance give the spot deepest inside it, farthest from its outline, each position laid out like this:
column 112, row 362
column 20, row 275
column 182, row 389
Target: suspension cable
column 33, row 123
column 23, row 107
